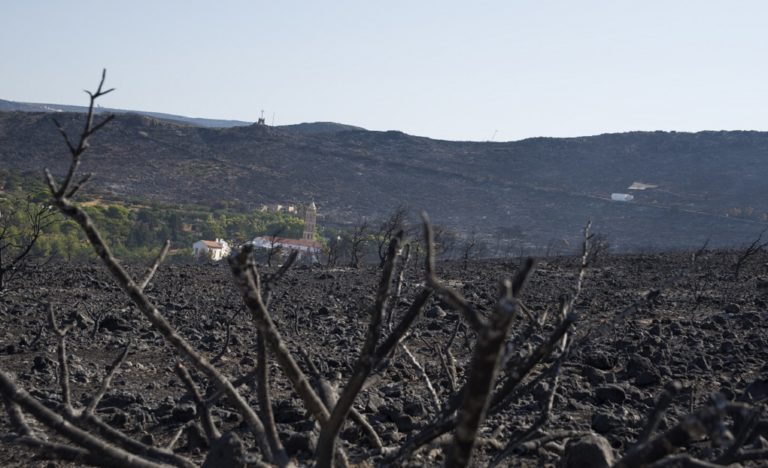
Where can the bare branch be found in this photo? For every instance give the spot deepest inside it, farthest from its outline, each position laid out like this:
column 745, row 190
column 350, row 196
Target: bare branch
column 205, row 415
column 153, row 268
column 483, row 370
column 662, row 403
column 691, row 428
column 115, row 456
column 423, row 374
column 91, row 408
column 80, row 184
column 246, row 278
column 448, row 294
column 265, row 401
column 365, row 362
column 61, row 351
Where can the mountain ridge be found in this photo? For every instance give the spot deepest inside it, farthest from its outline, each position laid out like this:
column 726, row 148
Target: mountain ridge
column 710, row 184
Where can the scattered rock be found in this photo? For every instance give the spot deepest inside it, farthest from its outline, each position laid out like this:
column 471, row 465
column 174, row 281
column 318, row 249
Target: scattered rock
column 183, row 412
column 295, row 442
column 195, row 437
column 610, row 394
column 604, row 423
column 114, row 324
column 590, row 451
column 43, row 364
column 227, row 451
column 436, row 312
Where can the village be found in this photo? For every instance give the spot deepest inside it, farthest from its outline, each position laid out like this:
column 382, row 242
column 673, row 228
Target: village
column 307, row 247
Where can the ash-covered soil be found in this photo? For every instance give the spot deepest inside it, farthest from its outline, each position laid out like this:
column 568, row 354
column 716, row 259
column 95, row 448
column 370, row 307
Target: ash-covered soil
column 699, row 326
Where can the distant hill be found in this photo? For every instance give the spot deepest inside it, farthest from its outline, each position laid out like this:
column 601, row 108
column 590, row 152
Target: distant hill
column 11, row 106
column 706, row 185
column 311, row 127
column 318, row 127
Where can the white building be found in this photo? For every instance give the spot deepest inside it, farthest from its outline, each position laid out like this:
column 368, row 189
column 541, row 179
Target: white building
column 623, row 197
column 303, row 246
column 215, row 250
column 307, row 245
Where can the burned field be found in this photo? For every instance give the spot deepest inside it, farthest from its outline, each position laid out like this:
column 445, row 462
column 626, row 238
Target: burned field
column 653, row 339
column 627, row 361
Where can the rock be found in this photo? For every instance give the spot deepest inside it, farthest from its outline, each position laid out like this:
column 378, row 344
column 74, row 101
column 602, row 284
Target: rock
column 148, row 439
column 701, row 363
column 642, row 370
column 594, row 375
column 82, row 320
column 195, row 437
column 646, row 378
column 392, row 391
column 435, row 312
column 287, row 413
column 165, row 407
column 43, row 364
column 118, row 418
column 114, row 324
column 227, row 451
column 591, row 451
column 392, row 410
column 604, row 423
column 756, row 391
column 405, row 423
column 610, row 394
column 375, row 401
column 295, row 442
column 118, row 399
column 414, row 408
column 183, row 412
column 600, row 360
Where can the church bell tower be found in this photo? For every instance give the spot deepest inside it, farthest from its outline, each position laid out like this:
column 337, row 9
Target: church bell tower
column 310, row 219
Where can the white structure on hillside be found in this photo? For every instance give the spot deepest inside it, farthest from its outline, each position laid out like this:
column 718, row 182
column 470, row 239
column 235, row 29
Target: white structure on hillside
column 303, row 246
column 641, row 186
column 215, row 250
column 623, row 197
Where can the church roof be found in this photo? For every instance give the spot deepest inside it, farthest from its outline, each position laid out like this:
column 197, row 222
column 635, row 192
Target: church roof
column 294, row 242
column 212, row 244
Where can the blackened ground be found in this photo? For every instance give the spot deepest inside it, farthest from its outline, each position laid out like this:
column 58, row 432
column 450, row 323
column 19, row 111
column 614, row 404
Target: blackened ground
column 705, row 328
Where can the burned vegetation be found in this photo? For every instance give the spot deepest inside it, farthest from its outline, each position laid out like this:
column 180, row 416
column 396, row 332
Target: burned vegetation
column 630, row 361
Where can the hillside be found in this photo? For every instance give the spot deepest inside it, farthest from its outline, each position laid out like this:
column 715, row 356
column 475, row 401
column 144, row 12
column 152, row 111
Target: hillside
column 709, row 185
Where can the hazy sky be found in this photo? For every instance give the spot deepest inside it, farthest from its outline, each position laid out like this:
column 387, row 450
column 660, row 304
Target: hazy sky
column 458, row 70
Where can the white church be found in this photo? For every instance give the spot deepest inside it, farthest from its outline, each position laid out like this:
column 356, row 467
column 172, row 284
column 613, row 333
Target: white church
column 307, row 245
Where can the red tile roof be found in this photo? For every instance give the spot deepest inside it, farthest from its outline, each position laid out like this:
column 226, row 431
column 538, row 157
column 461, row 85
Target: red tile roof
column 212, row 244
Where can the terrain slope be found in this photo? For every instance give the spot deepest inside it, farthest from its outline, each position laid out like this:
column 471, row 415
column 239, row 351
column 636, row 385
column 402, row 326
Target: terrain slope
column 707, row 185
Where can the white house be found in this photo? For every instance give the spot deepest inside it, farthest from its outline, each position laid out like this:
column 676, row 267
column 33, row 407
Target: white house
column 215, row 250
column 623, row 197
column 303, row 246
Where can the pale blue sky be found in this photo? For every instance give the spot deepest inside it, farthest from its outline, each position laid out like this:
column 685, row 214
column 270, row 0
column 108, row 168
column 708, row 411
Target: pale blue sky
column 456, row 70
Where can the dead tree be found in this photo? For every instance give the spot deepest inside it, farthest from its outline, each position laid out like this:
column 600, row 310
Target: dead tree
column 393, row 223
column 471, row 249
column 332, row 251
column 20, row 228
column 757, row 246
column 357, row 241
column 274, row 248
